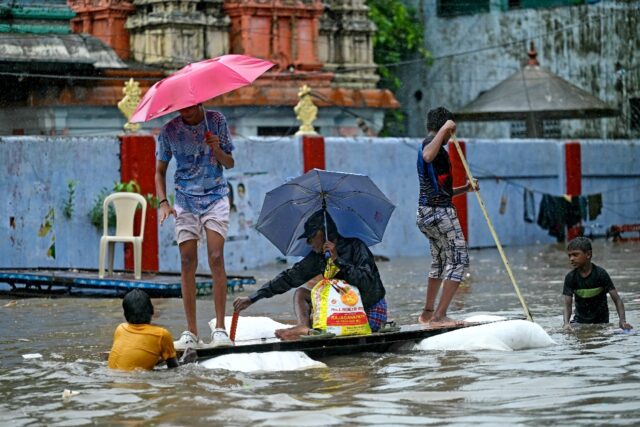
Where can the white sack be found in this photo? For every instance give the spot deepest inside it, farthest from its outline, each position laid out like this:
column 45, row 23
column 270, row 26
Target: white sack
column 505, row 336
column 272, row 361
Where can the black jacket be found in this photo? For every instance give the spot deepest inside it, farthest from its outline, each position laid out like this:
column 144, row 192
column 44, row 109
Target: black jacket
column 357, row 267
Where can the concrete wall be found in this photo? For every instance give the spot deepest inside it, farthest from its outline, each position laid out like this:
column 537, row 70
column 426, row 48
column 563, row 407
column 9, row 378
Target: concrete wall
column 34, row 179
column 36, row 171
column 473, row 53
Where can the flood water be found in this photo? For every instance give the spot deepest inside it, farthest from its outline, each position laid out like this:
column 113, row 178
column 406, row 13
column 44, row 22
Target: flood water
column 591, row 377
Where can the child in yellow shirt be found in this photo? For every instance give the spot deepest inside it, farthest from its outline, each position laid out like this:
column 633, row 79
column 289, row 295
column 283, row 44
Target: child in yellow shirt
column 137, row 344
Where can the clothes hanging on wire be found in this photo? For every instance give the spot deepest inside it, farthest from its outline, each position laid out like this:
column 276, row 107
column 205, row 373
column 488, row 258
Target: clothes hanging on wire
column 551, row 215
column 577, row 207
column 529, row 206
column 503, row 201
column 584, row 207
column 595, row 205
column 555, row 213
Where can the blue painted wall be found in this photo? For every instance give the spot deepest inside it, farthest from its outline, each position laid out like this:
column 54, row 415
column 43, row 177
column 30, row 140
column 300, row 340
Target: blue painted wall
column 37, row 170
column 34, row 180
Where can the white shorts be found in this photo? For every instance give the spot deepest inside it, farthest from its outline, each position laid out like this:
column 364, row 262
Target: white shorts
column 190, row 226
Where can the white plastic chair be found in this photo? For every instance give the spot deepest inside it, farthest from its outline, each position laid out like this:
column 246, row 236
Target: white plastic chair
column 125, row 205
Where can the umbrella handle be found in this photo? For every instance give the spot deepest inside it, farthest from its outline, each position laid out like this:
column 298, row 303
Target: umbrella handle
column 208, row 134
column 327, row 254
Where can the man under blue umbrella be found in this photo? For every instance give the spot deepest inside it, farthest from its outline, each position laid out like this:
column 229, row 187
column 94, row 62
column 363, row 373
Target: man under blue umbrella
column 357, row 267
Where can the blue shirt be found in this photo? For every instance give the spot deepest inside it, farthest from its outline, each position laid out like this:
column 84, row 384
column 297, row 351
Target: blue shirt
column 199, row 179
column 436, row 181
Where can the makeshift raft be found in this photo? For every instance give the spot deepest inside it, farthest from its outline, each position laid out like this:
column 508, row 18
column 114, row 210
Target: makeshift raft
column 25, row 282
column 319, row 347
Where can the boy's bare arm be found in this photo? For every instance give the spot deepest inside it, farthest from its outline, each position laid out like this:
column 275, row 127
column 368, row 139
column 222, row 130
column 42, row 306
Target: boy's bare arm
column 225, row 159
column 188, row 356
column 164, row 208
column 430, row 151
column 568, row 308
column 620, row 309
column 468, row 187
column 160, row 179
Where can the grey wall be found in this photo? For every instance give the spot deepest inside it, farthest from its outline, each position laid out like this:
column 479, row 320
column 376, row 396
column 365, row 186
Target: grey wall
column 473, row 53
column 36, row 171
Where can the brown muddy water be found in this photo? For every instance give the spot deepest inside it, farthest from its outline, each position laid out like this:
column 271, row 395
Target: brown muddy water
column 591, row 377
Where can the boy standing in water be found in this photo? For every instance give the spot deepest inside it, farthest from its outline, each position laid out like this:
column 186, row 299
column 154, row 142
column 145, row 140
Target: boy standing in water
column 137, row 344
column 437, row 218
column 590, row 285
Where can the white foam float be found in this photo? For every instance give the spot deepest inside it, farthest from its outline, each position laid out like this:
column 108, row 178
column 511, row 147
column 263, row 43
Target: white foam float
column 273, row 361
column 250, row 328
column 508, row 335
column 483, row 318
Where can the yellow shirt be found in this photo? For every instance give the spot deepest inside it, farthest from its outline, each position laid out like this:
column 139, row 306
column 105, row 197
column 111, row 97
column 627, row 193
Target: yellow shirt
column 140, row 346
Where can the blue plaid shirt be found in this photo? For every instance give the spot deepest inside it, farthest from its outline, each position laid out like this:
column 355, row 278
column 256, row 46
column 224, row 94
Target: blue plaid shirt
column 199, row 179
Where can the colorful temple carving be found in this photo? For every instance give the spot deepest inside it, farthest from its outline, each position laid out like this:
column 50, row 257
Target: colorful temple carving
column 326, row 45
column 104, row 19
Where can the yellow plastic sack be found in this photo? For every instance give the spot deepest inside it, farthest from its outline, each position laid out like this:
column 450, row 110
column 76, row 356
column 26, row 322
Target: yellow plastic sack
column 337, row 306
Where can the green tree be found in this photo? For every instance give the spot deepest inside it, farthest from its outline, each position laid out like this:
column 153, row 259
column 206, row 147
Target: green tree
column 399, row 38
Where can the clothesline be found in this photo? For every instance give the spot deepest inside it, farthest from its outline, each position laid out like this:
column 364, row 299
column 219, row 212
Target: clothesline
column 534, row 190
column 515, row 184
column 604, row 207
column 556, row 213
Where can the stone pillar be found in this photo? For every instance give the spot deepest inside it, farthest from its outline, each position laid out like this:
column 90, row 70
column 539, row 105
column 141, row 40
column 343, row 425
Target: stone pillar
column 104, row 19
column 283, row 31
column 173, row 33
column 346, row 40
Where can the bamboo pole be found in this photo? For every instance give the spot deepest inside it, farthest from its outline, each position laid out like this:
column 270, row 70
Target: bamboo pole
column 491, row 229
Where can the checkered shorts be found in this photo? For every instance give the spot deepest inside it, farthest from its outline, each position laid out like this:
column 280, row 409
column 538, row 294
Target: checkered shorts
column 377, row 315
column 449, row 254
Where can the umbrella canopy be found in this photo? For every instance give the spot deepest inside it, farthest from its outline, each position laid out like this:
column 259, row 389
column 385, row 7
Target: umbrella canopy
column 533, row 94
column 356, row 205
column 198, row 82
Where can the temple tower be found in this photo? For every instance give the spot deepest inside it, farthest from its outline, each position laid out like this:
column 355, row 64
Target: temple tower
column 173, row 33
column 285, row 31
column 346, row 44
column 104, row 19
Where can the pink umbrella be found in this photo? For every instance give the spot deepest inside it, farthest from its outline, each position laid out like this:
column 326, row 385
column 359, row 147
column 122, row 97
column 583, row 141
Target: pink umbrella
column 199, row 82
